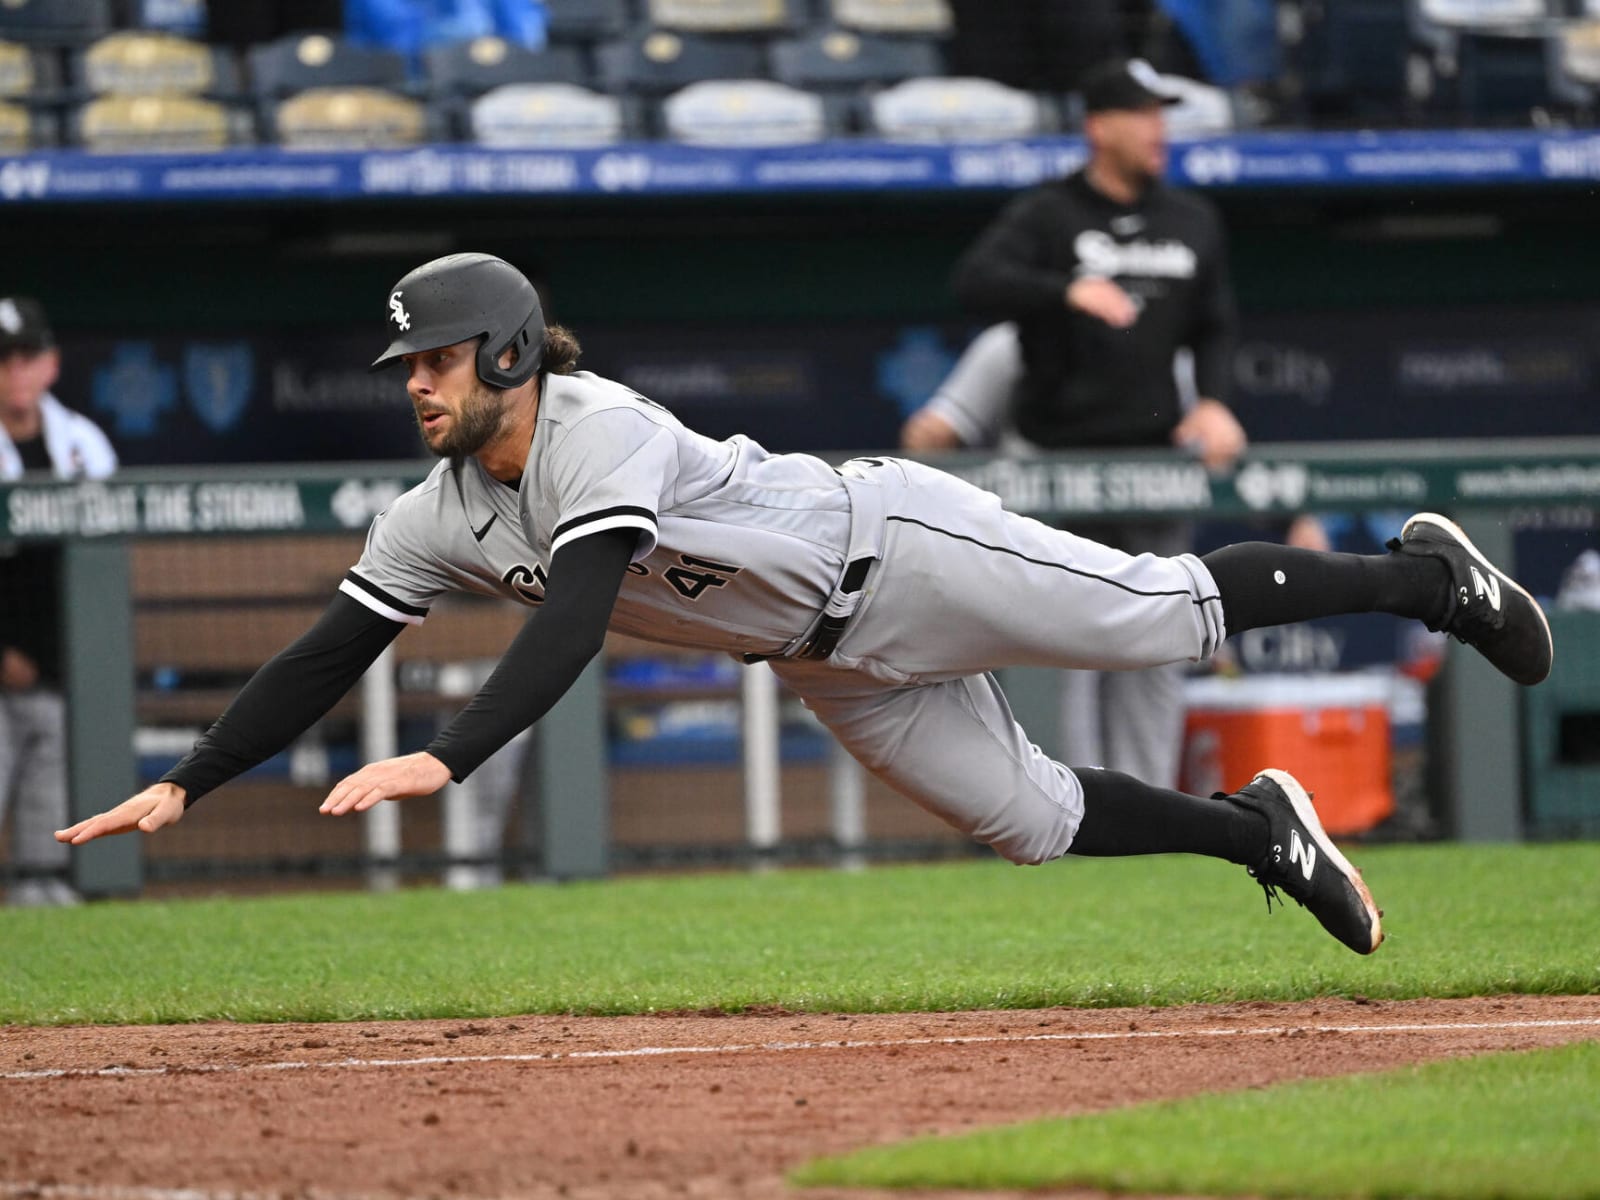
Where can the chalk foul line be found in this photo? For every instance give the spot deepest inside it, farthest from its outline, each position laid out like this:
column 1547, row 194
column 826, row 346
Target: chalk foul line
column 559, row 1056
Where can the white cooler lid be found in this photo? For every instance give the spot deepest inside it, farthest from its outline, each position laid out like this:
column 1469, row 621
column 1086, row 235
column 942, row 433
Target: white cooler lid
column 1311, row 691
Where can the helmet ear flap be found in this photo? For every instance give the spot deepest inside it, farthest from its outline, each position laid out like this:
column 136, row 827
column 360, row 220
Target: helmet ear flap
column 529, row 356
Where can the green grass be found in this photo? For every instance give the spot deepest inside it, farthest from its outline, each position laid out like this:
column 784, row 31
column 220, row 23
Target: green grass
column 1502, row 1127
column 1169, row 930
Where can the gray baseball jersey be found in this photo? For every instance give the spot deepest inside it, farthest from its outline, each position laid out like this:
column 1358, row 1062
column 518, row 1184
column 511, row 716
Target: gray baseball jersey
column 932, row 583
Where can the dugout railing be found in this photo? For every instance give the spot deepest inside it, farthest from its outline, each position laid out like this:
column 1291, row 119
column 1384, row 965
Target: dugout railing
column 176, row 584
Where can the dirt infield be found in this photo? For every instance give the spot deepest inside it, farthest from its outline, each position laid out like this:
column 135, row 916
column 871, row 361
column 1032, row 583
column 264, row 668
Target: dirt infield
column 644, row 1107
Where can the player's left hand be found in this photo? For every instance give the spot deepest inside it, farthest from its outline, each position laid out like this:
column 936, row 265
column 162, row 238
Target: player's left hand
column 419, row 774
column 926, row 431
column 1213, row 432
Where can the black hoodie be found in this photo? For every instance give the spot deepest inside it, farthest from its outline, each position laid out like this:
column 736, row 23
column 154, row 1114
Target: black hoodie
column 1086, row 383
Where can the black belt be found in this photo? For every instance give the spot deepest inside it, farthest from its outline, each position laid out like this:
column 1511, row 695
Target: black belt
column 825, row 637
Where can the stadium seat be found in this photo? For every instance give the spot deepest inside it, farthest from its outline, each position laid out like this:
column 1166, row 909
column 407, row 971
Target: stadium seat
column 1436, row 24
column 723, row 16
column 1202, row 110
column 1481, row 14
column 353, row 118
column 928, row 18
column 586, row 20
column 321, row 60
column 146, row 64
column 838, row 58
column 1503, row 78
column 1579, row 53
column 556, row 115
column 745, row 112
column 185, row 18
column 54, row 22
column 157, row 124
column 28, row 73
column 1351, row 58
column 655, row 62
column 23, row 129
column 472, row 68
column 956, row 109
column 1574, row 66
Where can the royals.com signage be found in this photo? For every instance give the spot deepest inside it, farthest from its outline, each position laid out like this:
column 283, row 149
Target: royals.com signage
column 1257, row 160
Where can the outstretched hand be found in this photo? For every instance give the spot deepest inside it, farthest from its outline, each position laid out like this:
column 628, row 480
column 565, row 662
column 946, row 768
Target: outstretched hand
column 419, row 774
column 1104, row 299
column 158, row 805
column 1212, row 433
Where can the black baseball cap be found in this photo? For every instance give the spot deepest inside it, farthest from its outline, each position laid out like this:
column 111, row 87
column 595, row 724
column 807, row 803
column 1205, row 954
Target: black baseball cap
column 1124, row 84
column 23, row 326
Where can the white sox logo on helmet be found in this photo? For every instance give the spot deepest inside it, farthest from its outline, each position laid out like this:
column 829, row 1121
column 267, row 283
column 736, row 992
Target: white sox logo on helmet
column 398, row 314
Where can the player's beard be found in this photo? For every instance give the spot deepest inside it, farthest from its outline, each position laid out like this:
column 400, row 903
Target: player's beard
column 470, row 427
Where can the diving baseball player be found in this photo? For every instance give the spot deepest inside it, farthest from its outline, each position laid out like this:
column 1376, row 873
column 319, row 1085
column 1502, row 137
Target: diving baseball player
column 882, row 592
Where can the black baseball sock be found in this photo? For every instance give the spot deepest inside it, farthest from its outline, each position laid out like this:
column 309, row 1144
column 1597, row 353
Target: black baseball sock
column 1123, row 815
column 1266, row 584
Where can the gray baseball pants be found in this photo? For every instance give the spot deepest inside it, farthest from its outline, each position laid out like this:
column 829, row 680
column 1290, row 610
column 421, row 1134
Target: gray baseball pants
column 33, row 776
column 961, row 588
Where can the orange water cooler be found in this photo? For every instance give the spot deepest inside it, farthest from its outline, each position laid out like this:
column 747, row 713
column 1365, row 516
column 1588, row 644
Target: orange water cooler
column 1331, row 732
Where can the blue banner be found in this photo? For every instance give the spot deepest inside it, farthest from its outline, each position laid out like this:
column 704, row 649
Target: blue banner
column 1257, row 160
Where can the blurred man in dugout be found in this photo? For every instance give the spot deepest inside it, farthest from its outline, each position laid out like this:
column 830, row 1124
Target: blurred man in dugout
column 38, row 436
column 1109, row 288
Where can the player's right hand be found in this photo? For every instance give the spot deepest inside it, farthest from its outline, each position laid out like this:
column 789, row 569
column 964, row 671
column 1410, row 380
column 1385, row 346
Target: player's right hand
column 159, row 804
column 1102, row 298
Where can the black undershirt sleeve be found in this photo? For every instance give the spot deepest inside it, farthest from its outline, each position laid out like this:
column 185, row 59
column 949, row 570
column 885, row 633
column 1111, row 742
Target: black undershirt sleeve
column 286, row 696
column 547, row 655
column 1008, row 272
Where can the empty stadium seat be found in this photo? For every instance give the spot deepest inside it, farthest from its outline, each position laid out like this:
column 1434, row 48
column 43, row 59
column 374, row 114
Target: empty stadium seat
column 139, row 63
column 548, row 115
column 1436, row 24
column 723, row 16
column 23, row 129
column 838, row 58
column 956, row 109
column 353, row 118
column 746, row 112
column 185, row 18
column 321, row 60
column 1579, row 53
column 1502, row 78
column 472, row 68
column 28, row 73
column 1482, row 14
column 54, row 22
column 586, row 20
column 158, row 124
column 929, row 18
column 1352, row 58
column 1202, row 110
column 655, row 62
column 1574, row 63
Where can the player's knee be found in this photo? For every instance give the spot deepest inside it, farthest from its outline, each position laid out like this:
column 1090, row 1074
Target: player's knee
column 1029, row 847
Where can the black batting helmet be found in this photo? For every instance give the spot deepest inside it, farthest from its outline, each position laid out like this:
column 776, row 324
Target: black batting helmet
column 463, row 296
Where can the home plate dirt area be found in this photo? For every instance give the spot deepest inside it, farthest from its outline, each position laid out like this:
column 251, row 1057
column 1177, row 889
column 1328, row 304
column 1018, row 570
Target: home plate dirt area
column 682, row 1104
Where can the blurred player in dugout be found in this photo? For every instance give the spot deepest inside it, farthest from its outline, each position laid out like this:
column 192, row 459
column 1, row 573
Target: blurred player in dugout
column 38, row 435
column 1101, row 281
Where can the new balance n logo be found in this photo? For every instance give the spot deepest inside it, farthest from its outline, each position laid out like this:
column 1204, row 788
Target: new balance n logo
column 1303, row 853
column 1486, row 586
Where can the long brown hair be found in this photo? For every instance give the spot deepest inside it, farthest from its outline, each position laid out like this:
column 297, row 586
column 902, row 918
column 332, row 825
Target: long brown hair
column 561, row 350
